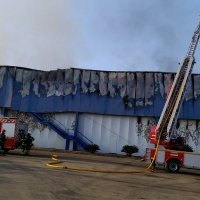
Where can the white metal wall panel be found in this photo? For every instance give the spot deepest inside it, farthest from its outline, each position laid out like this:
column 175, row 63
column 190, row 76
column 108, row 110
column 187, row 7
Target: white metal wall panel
column 105, row 133
column 86, row 122
column 44, row 137
column 160, row 157
column 191, row 129
column 36, row 135
column 96, row 129
column 115, row 128
column 142, row 143
column 112, row 132
column 60, row 142
column 123, row 133
column 113, row 144
column 132, row 138
column 52, row 139
column 66, row 119
column 191, row 161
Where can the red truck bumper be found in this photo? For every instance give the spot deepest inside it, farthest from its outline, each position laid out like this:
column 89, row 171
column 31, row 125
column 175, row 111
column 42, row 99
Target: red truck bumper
column 10, row 143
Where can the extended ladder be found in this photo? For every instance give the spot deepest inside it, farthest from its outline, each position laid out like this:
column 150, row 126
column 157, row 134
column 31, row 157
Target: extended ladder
column 170, row 113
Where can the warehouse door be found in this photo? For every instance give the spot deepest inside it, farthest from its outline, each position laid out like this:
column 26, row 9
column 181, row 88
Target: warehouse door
column 113, row 144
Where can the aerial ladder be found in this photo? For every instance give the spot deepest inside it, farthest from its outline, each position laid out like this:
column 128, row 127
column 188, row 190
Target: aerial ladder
column 173, row 156
column 168, row 119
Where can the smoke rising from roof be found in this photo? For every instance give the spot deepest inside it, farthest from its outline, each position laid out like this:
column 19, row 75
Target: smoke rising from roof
column 38, row 34
column 115, row 35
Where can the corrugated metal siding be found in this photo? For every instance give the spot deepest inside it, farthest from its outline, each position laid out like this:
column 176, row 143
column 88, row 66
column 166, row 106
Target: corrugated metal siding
column 107, row 131
column 111, row 133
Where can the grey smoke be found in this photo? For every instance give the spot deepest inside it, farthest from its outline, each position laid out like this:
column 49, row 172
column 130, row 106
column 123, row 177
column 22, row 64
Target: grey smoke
column 116, row 35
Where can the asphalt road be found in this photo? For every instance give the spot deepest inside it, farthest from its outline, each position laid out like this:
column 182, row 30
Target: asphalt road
column 28, row 178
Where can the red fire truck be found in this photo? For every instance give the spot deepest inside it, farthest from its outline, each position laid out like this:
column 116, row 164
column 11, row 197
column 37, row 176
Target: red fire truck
column 170, row 156
column 15, row 129
column 173, row 160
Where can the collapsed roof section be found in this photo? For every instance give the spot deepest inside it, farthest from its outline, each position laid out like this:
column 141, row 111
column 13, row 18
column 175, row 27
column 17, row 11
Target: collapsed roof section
column 127, row 90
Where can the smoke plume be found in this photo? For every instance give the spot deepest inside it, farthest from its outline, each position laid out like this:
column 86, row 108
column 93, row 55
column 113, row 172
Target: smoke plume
column 115, row 35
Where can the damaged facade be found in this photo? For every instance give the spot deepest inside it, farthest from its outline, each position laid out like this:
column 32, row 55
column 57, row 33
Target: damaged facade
column 62, row 90
column 118, row 96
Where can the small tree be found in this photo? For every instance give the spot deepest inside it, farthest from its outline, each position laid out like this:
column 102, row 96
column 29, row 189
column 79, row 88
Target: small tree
column 92, row 148
column 129, row 150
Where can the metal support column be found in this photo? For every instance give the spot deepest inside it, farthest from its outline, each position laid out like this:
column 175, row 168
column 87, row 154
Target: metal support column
column 75, row 130
column 67, row 144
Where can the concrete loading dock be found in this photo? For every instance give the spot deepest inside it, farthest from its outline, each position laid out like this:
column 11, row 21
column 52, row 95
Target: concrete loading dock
column 29, row 178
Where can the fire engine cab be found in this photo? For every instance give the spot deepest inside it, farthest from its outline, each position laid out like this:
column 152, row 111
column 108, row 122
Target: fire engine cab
column 162, row 135
column 15, row 129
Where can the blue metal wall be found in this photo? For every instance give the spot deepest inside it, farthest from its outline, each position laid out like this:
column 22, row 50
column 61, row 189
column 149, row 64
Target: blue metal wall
column 87, row 101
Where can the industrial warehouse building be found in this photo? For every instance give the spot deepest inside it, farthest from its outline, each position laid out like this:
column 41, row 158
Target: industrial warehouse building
column 68, row 108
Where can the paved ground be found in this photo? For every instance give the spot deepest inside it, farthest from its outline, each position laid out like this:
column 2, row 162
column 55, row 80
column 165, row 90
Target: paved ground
column 28, row 178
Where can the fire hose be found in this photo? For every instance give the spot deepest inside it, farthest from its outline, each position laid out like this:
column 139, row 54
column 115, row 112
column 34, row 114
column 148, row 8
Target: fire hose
column 56, row 161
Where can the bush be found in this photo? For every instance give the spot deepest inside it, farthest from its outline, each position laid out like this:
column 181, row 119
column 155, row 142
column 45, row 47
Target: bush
column 92, row 148
column 129, row 150
column 187, row 148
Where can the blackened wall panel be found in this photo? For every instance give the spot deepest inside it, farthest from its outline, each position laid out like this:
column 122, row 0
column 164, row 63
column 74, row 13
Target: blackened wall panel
column 34, row 91
column 9, row 89
column 129, row 99
column 51, row 90
column 43, row 99
column 159, row 103
column 140, row 91
column 196, row 108
column 25, row 90
column 59, row 94
column 33, row 100
column 3, row 89
column 17, row 97
column 76, row 99
column 196, row 79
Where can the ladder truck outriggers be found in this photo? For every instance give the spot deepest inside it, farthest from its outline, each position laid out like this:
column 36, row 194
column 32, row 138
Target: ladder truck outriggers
column 163, row 133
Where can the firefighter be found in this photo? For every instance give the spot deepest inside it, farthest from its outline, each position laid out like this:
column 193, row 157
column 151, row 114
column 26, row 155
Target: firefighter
column 153, row 166
column 23, row 145
column 2, row 142
column 29, row 143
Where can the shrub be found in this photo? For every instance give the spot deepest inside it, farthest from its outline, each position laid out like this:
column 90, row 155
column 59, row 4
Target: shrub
column 187, row 148
column 92, row 148
column 129, row 150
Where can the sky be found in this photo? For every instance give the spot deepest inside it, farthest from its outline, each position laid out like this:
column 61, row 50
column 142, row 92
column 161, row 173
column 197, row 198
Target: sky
column 111, row 35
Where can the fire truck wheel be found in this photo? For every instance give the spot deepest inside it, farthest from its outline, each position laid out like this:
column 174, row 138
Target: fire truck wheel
column 173, row 166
